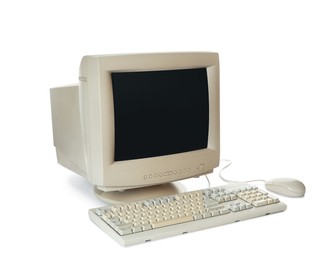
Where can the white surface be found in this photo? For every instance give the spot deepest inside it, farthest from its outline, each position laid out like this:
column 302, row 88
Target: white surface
column 272, row 118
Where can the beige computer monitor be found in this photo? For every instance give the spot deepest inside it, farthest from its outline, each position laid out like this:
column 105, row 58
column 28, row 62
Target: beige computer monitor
column 84, row 123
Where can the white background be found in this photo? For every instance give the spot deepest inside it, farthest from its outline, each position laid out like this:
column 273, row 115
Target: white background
column 273, row 80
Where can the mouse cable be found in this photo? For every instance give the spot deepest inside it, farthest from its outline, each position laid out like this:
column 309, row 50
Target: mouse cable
column 229, row 162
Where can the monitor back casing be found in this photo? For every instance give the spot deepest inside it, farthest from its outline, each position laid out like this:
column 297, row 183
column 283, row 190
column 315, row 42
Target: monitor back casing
column 83, row 123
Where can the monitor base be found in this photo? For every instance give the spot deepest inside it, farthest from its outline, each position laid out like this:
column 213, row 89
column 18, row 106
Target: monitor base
column 125, row 196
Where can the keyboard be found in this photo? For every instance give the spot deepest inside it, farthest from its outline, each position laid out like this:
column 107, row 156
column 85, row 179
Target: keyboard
column 148, row 220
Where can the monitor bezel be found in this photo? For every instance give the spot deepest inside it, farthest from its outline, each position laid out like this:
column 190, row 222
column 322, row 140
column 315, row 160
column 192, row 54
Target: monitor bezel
column 97, row 114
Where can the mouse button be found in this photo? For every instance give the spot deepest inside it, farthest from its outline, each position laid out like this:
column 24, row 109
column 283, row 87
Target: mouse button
column 298, row 187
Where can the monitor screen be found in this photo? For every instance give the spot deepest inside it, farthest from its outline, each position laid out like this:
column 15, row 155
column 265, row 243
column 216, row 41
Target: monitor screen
column 159, row 113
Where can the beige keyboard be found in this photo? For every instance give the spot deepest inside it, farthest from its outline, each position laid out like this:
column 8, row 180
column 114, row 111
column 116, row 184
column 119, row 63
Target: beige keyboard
column 144, row 221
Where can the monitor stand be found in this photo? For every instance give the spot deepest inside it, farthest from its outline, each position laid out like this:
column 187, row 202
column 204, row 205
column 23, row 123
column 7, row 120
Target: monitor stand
column 144, row 193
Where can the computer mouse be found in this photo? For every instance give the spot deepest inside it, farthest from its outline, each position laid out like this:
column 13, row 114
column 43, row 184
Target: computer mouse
column 286, row 187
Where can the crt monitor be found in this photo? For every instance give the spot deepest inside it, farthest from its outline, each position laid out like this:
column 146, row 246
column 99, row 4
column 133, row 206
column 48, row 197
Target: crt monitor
column 139, row 120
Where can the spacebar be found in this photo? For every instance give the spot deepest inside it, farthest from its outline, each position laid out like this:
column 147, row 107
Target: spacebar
column 172, row 222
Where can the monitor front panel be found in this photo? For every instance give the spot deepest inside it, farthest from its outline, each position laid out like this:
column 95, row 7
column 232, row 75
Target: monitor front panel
column 149, row 118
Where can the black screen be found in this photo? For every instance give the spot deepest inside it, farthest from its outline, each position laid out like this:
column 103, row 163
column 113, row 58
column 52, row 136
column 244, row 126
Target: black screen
column 160, row 112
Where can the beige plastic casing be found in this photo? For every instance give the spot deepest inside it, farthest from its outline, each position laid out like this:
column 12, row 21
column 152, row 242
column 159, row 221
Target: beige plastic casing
column 94, row 125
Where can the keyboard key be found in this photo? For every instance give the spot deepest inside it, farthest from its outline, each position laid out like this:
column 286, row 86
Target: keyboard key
column 172, row 222
column 137, row 229
column 146, row 227
column 259, row 203
column 224, row 211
